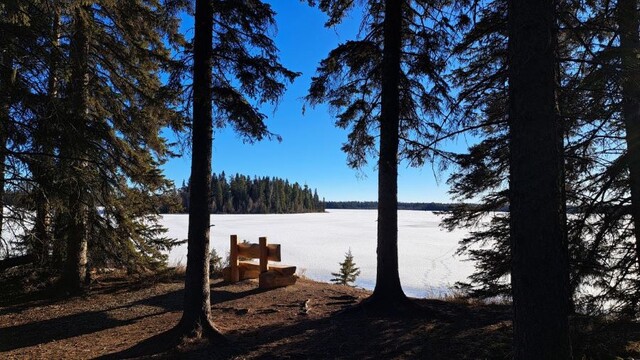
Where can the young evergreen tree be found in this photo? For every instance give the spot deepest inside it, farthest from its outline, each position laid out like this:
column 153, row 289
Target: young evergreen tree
column 387, row 84
column 348, row 271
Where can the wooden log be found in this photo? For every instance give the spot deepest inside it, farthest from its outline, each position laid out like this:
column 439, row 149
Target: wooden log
column 271, row 279
column 249, row 270
column 252, row 251
column 233, row 259
column 284, row 270
column 226, row 274
column 264, row 254
column 274, row 252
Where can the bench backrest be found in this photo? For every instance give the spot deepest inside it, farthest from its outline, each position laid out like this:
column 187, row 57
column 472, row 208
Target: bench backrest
column 262, row 251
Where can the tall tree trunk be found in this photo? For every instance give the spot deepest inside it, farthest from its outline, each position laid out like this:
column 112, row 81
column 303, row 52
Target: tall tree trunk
column 537, row 207
column 75, row 271
column 197, row 308
column 44, row 144
column 6, row 65
column 388, row 291
column 7, row 82
column 628, row 26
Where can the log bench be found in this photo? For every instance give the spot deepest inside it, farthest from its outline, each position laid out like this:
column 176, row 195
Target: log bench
column 269, row 275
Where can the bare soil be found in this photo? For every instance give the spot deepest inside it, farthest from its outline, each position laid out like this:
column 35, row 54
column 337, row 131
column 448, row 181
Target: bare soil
column 306, row 320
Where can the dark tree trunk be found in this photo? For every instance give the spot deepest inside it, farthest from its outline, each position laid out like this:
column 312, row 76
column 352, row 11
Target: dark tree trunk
column 388, row 291
column 197, row 310
column 537, row 207
column 4, row 124
column 7, row 81
column 44, row 143
column 629, row 25
column 75, row 267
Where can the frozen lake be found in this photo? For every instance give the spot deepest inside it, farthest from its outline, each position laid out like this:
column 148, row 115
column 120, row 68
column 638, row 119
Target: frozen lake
column 316, row 243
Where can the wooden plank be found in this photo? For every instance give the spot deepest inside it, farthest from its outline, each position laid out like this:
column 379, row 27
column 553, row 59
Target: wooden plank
column 250, row 251
column 249, row 265
column 233, row 259
column 274, row 252
column 264, row 254
column 272, row 279
column 284, row 270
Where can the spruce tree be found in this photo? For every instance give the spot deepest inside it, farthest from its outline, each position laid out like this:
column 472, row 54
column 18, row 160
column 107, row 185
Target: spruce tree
column 86, row 125
column 540, row 269
column 232, row 75
column 597, row 182
column 389, row 84
column 348, row 271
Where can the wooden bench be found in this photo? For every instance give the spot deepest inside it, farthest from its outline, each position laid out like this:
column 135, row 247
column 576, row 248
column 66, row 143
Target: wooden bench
column 269, row 275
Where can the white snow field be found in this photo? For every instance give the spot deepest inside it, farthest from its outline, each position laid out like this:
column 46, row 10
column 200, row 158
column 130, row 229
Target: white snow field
column 317, row 242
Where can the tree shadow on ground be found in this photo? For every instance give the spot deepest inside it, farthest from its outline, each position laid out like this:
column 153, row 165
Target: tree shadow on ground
column 444, row 331
column 166, row 343
column 64, row 327
column 440, row 331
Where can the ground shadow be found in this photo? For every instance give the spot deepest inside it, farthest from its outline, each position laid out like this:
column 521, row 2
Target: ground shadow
column 440, row 330
column 15, row 337
column 164, row 343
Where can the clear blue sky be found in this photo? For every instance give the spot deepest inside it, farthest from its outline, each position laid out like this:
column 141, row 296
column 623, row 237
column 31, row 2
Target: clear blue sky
column 310, row 151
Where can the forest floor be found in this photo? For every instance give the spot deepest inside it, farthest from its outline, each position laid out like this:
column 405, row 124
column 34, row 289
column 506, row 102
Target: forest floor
column 305, row 320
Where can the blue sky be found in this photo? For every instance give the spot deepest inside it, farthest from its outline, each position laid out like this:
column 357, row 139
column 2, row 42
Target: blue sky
column 310, row 150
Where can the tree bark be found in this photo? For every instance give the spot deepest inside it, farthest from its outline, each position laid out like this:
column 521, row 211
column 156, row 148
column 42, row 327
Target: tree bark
column 75, row 268
column 196, row 319
column 7, row 82
column 628, row 26
column 537, row 207
column 44, row 143
column 388, row 290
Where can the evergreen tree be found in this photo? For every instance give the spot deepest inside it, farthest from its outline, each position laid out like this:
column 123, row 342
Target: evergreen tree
column 243, row 56
column 540, row 270
column 389, row 83
column 597, row 183
column 75, row 165
column 86, row 127
column 348, row 271
column 243, row 195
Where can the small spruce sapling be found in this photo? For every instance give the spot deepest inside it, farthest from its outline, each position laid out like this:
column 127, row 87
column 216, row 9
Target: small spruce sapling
column 348, row 271
column 217, row 263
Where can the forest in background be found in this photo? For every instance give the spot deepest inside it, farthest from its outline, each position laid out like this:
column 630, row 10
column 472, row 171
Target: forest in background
column 241, row 194
column 370, row 205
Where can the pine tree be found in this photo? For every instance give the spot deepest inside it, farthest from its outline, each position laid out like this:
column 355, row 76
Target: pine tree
column 85, row 125
column 111, row 152
column 348, row 271
column 540, row 269
column 244, row 56
column 389, row 83
column 597, row 182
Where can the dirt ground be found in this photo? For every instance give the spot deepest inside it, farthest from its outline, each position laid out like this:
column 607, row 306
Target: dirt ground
column 300, row 321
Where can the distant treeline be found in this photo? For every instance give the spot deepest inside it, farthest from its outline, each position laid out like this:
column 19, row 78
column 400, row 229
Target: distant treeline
column 401, row 206
column 241, row 194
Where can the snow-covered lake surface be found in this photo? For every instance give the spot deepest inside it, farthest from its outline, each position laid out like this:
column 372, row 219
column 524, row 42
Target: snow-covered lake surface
column 316, row 243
